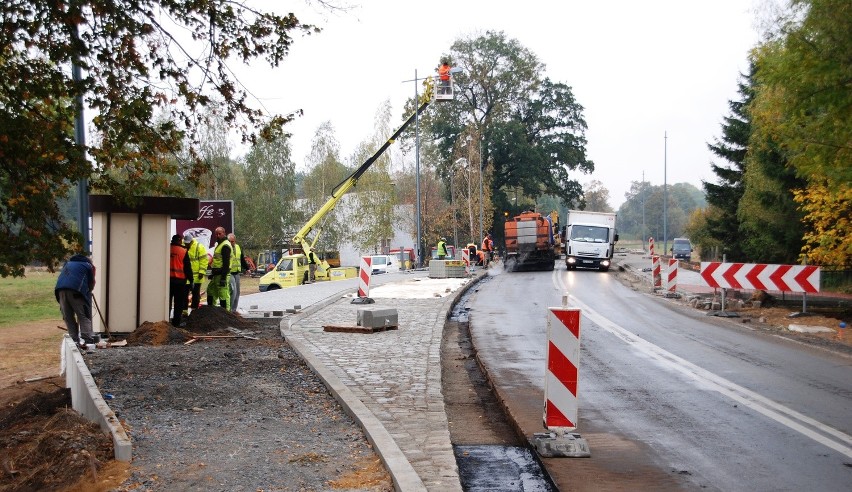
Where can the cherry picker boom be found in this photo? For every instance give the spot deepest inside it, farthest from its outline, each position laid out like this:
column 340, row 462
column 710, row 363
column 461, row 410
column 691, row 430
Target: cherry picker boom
column 301, row 237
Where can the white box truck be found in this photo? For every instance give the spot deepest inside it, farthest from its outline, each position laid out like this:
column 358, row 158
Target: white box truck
column 590, row 239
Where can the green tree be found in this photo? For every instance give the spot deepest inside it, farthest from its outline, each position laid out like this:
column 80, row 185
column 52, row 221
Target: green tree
column 723, row 226
column 770, row 222
column 326, row 171
column 683, row 199
column 265, row 205
column 131, row 66
column 375, row 198
column 533, row 129
column 803, row 107
column 596, row 197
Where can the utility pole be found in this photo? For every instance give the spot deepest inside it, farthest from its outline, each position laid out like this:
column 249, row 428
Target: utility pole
column 80, row 140
column 642, row 234
column 665, row 195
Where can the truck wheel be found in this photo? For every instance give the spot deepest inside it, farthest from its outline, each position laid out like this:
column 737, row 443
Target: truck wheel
column 551, row 266
column 273, row 287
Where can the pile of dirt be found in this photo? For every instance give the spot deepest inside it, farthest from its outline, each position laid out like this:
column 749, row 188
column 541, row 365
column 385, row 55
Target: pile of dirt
column 202, row 321
column 44, row 445
column 208, row 319
column 159, row 333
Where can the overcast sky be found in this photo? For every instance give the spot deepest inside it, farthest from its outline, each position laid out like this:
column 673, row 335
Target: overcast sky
column 640, row 70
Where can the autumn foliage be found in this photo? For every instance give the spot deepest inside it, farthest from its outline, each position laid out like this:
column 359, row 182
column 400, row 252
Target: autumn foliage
column 147, row 71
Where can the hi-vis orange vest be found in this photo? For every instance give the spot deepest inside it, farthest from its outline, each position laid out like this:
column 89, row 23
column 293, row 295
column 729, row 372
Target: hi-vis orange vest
column 176, row 261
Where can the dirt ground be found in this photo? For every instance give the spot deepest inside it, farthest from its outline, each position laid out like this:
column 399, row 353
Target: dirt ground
column 44, row 445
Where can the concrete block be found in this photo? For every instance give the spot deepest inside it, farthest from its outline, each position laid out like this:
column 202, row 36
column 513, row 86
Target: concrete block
column 446, row 269
column 377, row 317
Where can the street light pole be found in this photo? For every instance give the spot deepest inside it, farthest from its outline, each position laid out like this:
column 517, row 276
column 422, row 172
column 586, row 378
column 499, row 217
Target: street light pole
column 417, row 171
column 665, row 195
column 480, row 190
column 642, row 234
column 80, row 140
column 453, row 205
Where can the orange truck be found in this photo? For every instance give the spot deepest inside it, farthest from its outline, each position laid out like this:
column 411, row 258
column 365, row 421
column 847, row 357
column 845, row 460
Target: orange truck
column 530, row 242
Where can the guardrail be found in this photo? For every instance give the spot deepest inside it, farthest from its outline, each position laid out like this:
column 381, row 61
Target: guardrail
column 86, row 398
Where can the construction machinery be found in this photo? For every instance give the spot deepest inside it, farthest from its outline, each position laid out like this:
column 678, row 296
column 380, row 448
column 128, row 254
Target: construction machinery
column 530, row 242
column 293, row 269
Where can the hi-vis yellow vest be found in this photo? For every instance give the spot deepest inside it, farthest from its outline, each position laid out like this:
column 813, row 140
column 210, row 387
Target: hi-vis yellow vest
column 235, row 258
column 217, row 254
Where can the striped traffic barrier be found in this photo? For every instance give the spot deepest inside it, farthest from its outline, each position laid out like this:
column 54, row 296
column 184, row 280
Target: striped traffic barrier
column 671, row 283
column 563, row 362
column 655, row 271
column 364, row 274
column 466, row 259
column 651, row 245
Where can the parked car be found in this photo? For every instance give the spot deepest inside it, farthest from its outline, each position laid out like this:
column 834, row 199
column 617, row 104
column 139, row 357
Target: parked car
column 384, row 263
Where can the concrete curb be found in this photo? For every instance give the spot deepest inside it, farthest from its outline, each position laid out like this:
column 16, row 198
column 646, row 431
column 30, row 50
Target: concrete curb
column 86, row 399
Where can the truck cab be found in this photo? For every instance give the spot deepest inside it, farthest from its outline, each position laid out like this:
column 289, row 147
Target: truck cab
column 590, row 239
column 290, row 271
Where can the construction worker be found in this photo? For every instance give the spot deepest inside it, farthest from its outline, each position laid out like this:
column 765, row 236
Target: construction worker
column 313, row 261
column 488, row 248
column 471, row 253
column 198, row 260
column 218, row 290
column 444, row 76
column 238, row 266
column 442, row 248
column 180, row 270
column 73, row 292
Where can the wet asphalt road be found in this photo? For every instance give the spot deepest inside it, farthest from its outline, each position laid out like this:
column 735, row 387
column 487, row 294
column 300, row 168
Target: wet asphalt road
column 669, row 398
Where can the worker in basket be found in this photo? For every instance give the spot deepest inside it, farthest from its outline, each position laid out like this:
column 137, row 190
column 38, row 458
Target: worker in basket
column 444, row 77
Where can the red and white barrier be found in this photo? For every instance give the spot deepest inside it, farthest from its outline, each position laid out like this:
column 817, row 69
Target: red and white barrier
column 651, row 245
column 466, row 259
column 750, row 276
column 655, row 271
column 364, row 274
column 671, row 283
column 563, row 362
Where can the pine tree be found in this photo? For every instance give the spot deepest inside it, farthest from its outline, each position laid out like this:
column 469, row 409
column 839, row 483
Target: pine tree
column 724, row 197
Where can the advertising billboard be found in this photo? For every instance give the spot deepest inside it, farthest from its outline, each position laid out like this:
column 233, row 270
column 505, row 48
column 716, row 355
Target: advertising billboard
column 211, row 214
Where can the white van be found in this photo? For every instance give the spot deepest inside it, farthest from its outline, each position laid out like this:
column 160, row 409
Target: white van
column 384, row 263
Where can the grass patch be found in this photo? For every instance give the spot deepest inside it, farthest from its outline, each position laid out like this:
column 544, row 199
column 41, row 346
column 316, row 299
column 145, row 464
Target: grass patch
column 28, row 299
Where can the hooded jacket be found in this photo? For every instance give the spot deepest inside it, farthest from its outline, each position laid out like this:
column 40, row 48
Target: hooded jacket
column 78, row 275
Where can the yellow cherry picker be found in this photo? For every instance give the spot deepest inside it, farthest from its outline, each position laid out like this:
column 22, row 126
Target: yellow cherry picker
column 293, row 269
